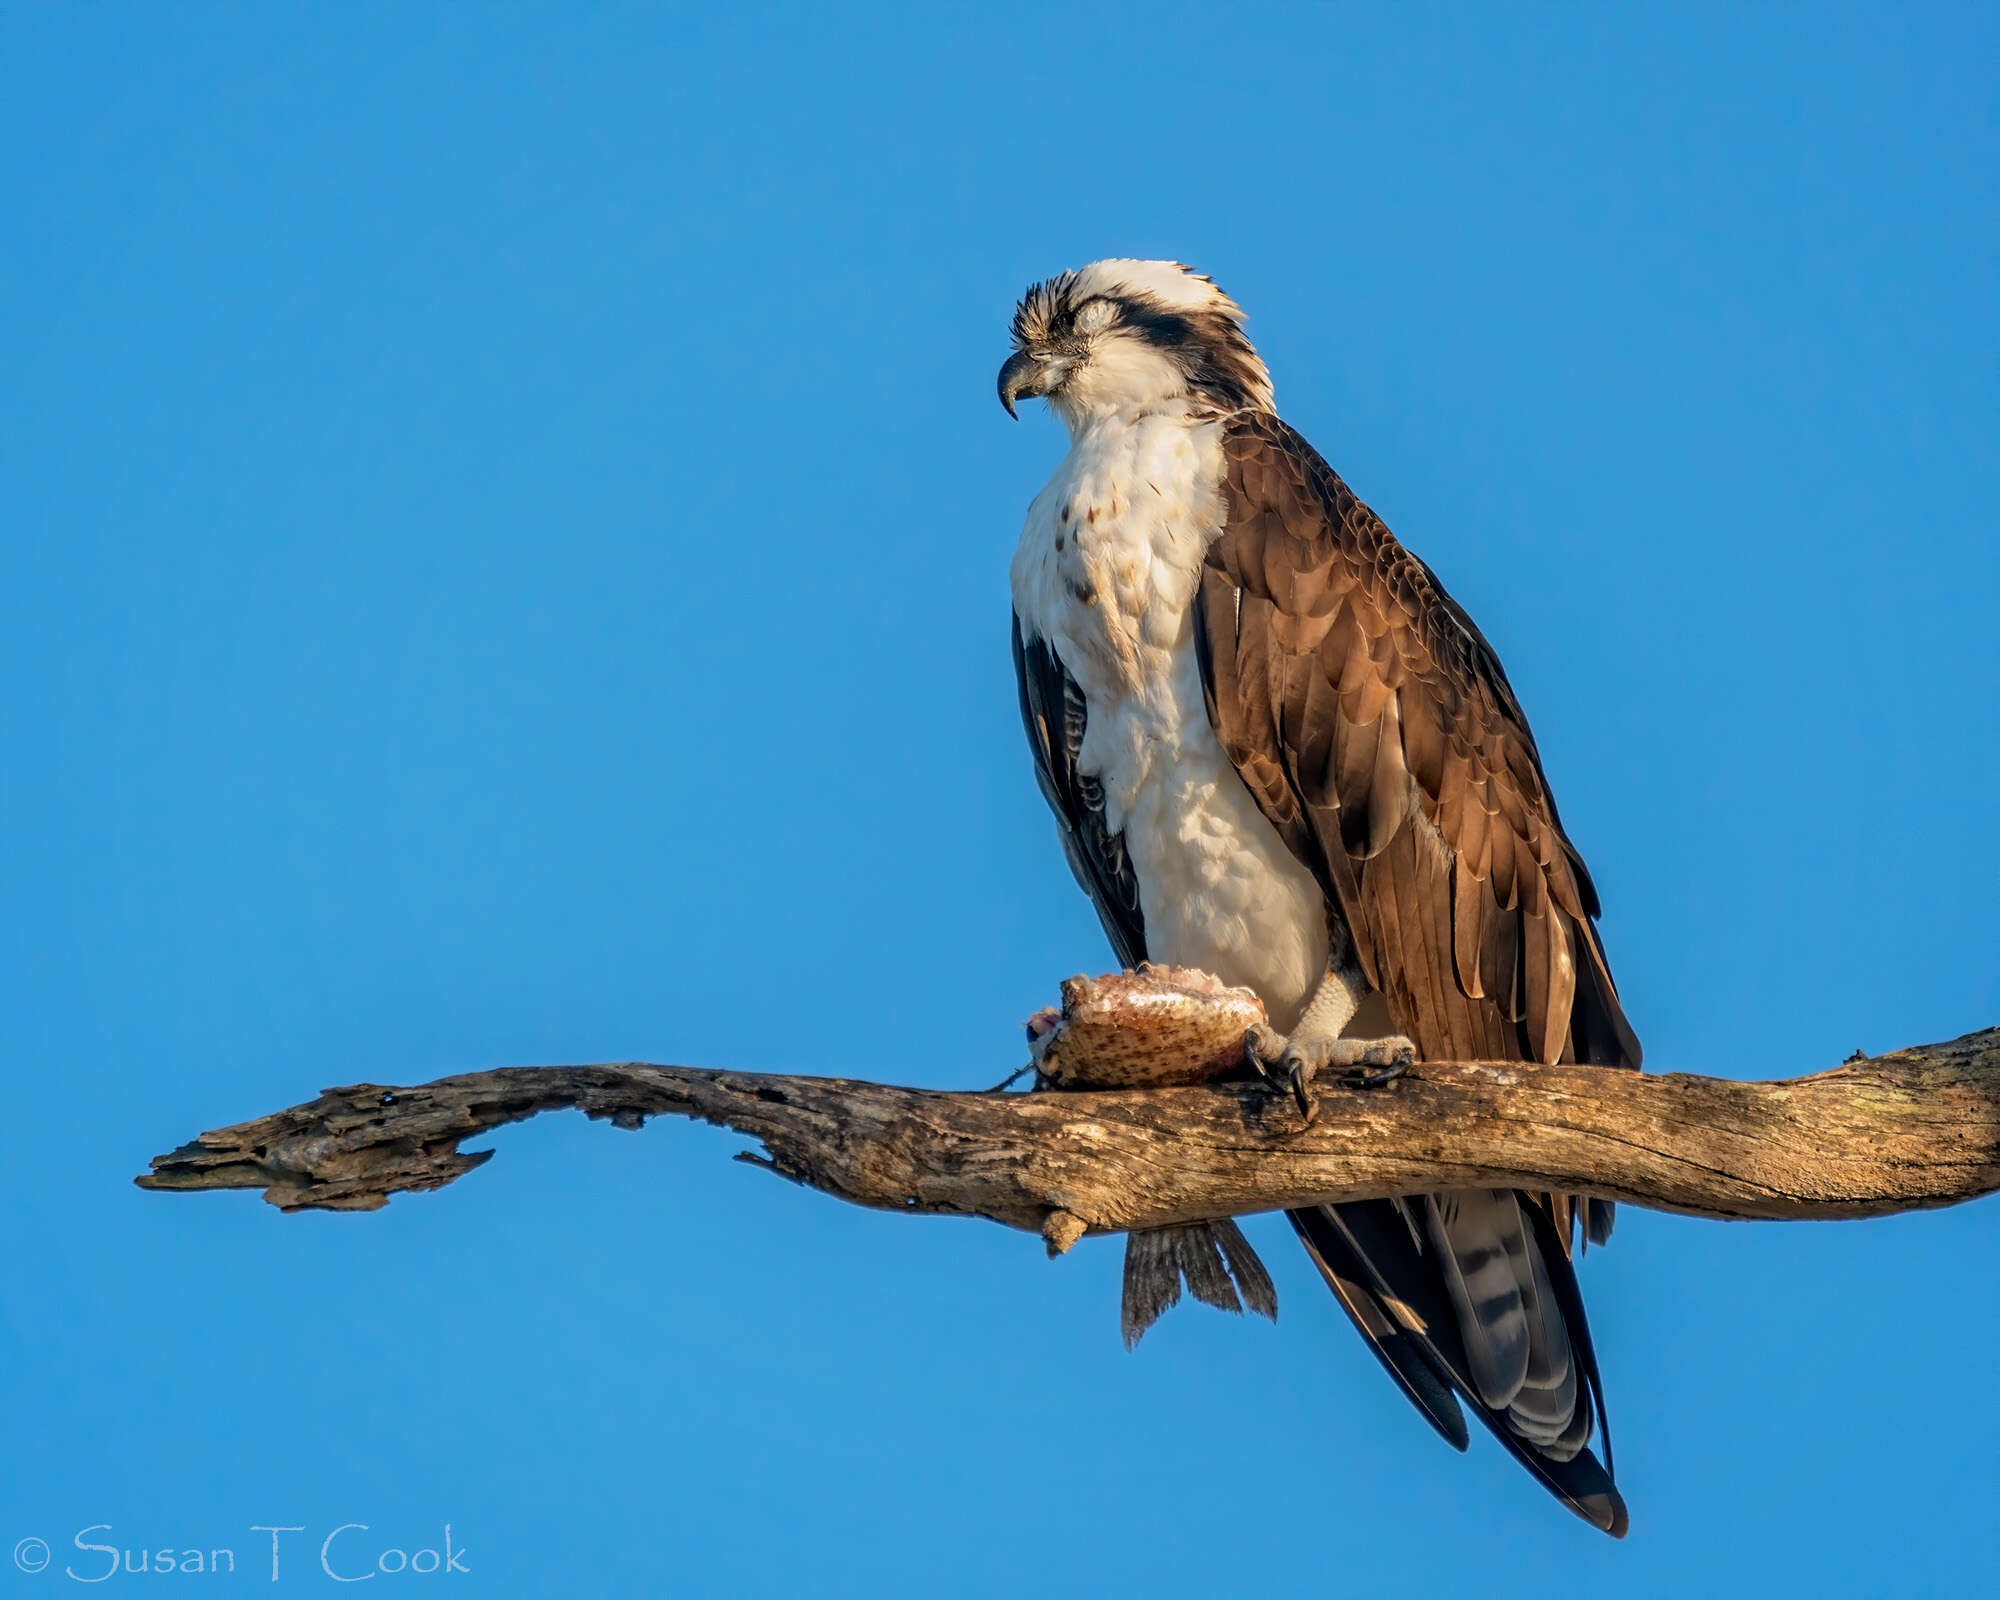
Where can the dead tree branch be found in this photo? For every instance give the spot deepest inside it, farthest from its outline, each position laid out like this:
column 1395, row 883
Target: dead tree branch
column 1913, row 1129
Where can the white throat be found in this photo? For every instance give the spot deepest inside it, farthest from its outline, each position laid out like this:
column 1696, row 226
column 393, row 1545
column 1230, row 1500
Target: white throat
column 1124, row 378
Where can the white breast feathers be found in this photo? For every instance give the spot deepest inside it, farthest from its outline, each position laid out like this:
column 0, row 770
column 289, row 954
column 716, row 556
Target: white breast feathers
column 1106, row 573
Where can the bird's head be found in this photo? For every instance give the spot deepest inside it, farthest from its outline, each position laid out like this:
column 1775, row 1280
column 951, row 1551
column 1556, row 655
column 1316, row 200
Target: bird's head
column 1121, row 334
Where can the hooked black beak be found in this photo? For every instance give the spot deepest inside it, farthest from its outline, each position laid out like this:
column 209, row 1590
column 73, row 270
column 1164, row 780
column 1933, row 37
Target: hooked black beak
column 1022, row 378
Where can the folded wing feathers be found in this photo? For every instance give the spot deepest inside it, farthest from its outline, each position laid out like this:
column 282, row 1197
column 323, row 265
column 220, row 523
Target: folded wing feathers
column 1469, row 912
column 1386, row 701
column 1054, row 715
column 1377, row 699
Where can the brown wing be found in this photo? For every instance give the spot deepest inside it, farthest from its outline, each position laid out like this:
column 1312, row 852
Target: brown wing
column 1052, row 711
column 1374, row 725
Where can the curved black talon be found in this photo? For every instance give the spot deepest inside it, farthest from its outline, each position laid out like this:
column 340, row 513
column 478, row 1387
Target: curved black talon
column 1374, row 1077
column 1295, row 1080
column 1284, row 1071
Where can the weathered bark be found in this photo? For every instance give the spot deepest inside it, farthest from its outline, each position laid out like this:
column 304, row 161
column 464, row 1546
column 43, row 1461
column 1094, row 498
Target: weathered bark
column 1900, row 1132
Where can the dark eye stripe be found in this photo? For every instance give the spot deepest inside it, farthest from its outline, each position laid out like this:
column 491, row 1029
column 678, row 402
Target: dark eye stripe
column 1208, row 344
column 1161, row 328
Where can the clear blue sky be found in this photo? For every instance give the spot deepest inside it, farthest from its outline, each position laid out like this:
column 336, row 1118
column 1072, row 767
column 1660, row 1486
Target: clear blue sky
column 505, row 527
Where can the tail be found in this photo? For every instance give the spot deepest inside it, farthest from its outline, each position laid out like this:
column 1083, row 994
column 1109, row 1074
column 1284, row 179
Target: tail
column 1475, row 1286
column 1470, row 1296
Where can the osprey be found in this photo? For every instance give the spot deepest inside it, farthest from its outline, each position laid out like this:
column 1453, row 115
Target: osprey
column 1280, row 752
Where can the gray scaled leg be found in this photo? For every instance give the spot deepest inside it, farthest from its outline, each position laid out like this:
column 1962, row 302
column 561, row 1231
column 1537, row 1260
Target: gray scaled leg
column 1315, row 1044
